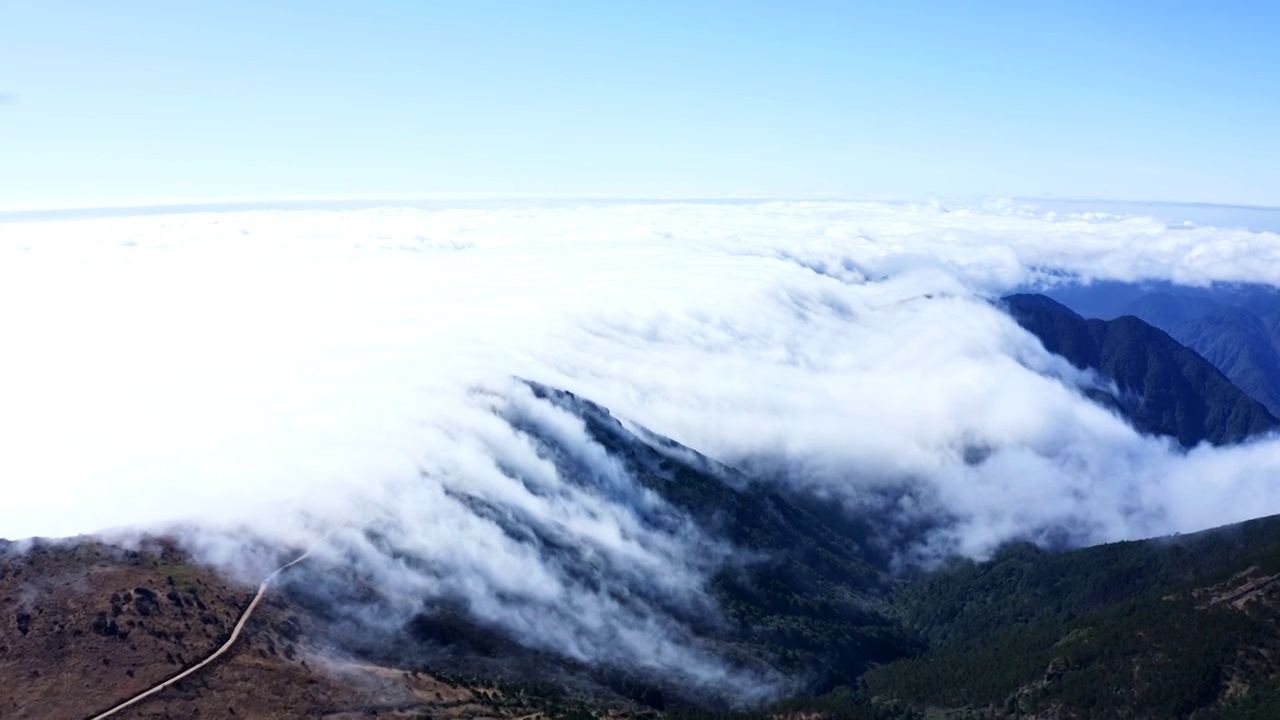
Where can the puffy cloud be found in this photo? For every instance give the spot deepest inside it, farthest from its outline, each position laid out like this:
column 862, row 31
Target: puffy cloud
column 310, row 372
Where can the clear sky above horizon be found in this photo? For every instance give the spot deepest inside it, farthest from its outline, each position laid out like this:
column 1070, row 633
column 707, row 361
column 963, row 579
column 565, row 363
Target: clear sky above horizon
column 152, row 101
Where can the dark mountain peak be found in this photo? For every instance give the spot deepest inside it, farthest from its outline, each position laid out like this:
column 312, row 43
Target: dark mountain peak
column 1031, row 302
column 1061, row 330
column 1236, row 327
column 1167, row 388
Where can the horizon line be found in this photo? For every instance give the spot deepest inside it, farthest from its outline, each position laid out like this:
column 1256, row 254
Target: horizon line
column 126, row 208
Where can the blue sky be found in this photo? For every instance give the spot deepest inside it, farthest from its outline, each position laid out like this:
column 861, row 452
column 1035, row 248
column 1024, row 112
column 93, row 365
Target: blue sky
column 145, row 101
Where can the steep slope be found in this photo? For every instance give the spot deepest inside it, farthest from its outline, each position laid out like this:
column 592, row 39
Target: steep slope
column 808, row 587
column 84, row 625
column 1235, row 327
column 794, row 603
column 1177, row 627
column 1239, row 344
column 1166, row 388
column 797, row 602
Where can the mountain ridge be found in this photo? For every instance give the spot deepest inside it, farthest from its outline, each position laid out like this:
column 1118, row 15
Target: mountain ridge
column 1219, row 321
column 1026, row 633
column 1166, row 388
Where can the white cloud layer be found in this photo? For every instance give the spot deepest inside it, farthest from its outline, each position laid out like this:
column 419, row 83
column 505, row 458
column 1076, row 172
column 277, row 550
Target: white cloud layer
column 296, row 372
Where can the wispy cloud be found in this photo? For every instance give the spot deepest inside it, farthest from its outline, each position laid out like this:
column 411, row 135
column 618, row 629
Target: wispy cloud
column 297, row 371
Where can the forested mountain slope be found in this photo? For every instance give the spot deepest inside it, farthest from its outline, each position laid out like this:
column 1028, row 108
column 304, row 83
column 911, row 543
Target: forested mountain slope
column 1165, row 388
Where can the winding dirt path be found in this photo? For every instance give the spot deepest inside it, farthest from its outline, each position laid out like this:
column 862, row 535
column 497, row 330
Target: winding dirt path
column 235, row 633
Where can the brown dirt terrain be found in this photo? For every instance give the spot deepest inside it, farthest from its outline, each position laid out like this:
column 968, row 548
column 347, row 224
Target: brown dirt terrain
column 83, row 621
column 84, row 626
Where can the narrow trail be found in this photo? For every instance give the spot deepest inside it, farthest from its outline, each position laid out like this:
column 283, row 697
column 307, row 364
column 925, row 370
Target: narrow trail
column 235, row 634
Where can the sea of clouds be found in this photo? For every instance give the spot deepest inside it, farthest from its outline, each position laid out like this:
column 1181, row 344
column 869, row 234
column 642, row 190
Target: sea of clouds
column 292, row 376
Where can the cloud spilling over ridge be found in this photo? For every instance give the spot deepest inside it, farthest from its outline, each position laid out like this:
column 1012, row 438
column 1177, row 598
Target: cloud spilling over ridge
column 296, row 372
